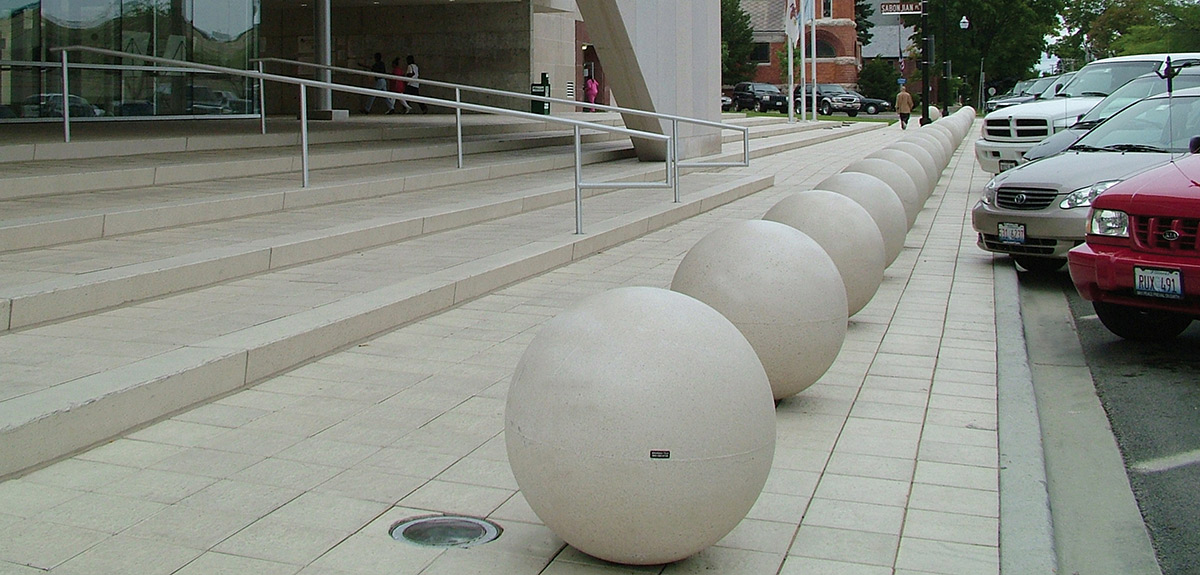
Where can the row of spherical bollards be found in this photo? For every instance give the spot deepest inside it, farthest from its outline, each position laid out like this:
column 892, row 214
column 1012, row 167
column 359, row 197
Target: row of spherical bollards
column 640, row 422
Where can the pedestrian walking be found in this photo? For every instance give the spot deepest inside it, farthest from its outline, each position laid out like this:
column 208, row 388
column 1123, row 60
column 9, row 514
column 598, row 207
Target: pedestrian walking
column 904, row 106
column 380, row 84
column 591, row 88
column 413, row 87
column 398, row 85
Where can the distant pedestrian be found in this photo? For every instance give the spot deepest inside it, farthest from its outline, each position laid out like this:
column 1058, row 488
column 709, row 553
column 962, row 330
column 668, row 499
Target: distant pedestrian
column 413, row 87
column 380, row 84
column 591, row 88
column 904, row 106
column 398, row 85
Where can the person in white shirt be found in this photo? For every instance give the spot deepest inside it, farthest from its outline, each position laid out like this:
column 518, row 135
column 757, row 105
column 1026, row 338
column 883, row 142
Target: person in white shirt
column 413, row 87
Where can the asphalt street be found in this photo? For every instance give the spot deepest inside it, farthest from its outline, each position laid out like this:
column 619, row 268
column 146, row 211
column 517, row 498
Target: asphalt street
column 1150, row 395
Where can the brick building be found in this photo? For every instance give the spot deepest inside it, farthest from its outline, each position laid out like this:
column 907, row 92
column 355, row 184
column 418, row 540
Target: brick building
column 839, row 55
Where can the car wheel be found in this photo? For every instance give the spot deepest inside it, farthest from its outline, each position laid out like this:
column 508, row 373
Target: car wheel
column 871, row 109
column 826, row 109
column 1140, row 324
column 1039, row 265
column 852, row 113
column 762, row 107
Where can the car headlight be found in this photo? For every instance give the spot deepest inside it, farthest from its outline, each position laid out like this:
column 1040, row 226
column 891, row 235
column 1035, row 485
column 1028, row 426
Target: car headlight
column 765, row 97
column 1111, row 223
column 1083, row 197
column 989, row 192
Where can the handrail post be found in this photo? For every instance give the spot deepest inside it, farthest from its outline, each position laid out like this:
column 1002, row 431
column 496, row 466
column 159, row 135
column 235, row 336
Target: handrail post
column 304, row 132
column 673, row 158
column 458, row 124
column 66, row 101
column 746, row 145
column 578, row 184
column 262, row 100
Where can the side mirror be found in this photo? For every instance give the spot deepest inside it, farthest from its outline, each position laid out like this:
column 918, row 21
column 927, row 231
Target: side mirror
column 1194, row 145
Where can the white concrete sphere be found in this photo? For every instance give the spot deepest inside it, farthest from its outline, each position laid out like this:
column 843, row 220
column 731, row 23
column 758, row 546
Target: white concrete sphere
column 944, row 134
column 780, row 288
column 935, row 113
column 932, row 172
column 878, row 198
column 897, row 179
column 640, row 426
column 845, row 231
column 932, row 144
column 911, row 166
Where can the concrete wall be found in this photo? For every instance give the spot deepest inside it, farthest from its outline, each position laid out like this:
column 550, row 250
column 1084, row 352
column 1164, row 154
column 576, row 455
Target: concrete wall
column 554, row 51
column 486, row 44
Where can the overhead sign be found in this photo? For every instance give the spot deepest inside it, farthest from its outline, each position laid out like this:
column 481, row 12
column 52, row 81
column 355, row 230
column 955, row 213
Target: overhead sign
column 900, row 8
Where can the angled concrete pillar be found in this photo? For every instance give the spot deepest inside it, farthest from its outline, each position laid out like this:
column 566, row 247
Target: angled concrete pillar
column 661, row 56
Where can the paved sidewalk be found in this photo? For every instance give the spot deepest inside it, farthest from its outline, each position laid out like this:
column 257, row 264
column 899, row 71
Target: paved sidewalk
column 888, row 465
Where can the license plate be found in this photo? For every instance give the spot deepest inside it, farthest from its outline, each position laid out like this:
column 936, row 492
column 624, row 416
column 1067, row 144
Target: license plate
column 1011, row 233
column 1154, row 282
column 1007, row 164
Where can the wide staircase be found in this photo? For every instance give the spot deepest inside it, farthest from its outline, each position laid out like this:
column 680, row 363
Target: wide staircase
column 149, row 267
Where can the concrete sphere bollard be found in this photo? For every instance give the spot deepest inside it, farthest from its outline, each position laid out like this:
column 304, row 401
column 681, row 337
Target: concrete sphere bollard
column 845, row 231
column 945, row 135
column 780, row 288
column 875, row 196
column 932, row 172
column 911, row 166
column 932, row 144
column 895, row 178
column 640, row 426
column 935, row 113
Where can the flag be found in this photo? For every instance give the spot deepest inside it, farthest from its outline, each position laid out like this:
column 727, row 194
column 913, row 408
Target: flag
column 808, row 10
column 791, row 21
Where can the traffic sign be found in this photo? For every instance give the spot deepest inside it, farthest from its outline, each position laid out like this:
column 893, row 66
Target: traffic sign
column 901, row 81
column 900, row 8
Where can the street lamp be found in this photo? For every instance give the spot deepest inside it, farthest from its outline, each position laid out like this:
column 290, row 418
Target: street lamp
column 947, row 72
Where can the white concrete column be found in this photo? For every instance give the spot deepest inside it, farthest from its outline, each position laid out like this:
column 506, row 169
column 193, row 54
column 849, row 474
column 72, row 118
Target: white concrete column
column 662, row 56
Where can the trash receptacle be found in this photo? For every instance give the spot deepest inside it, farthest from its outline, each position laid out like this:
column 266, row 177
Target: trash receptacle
column 542, row 89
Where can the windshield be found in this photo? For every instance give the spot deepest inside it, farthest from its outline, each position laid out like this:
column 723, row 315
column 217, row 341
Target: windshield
column 770, row 88
column 1053, row 87
column 1101, row 79
column 1154, row 124
column 833, row 89
column 1135, row 90
column 1041, row 84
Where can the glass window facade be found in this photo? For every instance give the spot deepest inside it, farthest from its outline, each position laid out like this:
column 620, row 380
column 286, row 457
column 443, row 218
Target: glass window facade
column 217, row 32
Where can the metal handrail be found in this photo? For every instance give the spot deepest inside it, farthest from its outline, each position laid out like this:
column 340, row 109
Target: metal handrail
column 304, row 84
column 459, row 88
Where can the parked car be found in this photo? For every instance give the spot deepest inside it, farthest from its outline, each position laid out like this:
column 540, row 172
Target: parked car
column 1018, row 89
column 726, row 103
column 1009, row 132
column 1037, row 211
column 1041, row 89
column 51, row 106
column 872, row 105
column 1140, row 267
column 1138, row 88
column 831, row 98
column 758, row 96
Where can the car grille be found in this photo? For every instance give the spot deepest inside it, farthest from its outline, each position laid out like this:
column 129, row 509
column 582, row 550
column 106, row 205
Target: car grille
column 1024, row 199
column 1031, row 129
column 1166, row 234
column 1032, row 246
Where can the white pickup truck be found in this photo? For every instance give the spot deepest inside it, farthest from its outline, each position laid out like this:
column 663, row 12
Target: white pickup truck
column 1009, row 132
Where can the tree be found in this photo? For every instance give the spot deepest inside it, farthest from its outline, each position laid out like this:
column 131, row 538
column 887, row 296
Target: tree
column 878, row 79
column 862, row 21
column 1007, row 38
column 1175, row 27
column 737, row 43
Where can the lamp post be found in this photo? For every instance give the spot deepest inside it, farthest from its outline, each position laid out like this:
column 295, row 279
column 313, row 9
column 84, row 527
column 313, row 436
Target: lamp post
column 948, row 72
column 926, row 54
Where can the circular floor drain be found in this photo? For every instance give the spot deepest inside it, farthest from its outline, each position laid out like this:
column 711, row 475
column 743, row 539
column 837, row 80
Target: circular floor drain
column 445, row 531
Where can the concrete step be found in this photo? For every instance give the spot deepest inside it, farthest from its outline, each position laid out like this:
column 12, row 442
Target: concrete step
column 166, row 332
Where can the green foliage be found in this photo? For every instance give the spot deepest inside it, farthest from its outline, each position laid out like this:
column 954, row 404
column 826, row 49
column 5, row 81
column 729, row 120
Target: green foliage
column 1173, row 26
column 862, row 14
column 737, row 43
column 1007, row 38
column 1101, row 28
column 878, row 79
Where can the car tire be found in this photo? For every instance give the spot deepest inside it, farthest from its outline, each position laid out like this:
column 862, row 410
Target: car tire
column 872, row 110
column 1039, row 265
column 1139, row 324
column 826, row 109
column 762, row 107
column 852, row 113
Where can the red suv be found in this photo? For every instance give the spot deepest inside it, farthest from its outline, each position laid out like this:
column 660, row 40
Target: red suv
column 1140, row 267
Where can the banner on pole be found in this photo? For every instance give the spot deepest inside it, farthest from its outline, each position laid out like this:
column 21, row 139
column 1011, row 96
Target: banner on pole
column 791, row 21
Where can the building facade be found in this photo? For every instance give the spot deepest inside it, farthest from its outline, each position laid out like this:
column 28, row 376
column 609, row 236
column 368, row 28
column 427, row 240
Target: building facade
column 839, row 55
